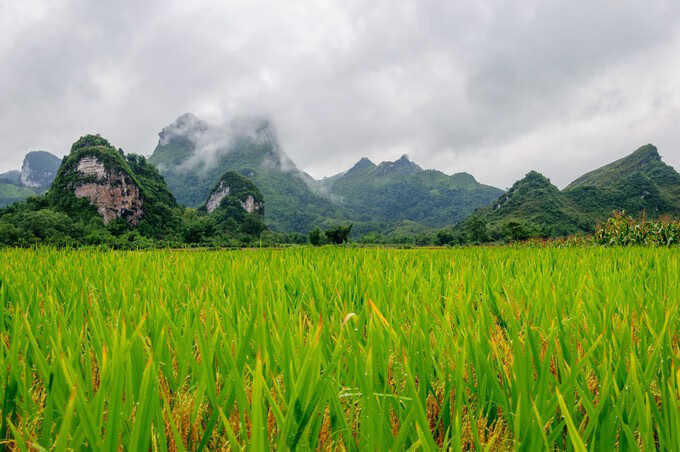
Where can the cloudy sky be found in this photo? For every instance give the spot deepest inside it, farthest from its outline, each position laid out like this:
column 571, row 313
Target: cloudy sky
column 492, row 87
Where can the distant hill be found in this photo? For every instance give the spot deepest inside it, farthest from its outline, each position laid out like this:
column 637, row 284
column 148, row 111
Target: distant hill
column 192, row 156
column 638, row 182
column 402, row 190
column 11, row 193
column 39, row 169
column 11, row 177
column 37, row 173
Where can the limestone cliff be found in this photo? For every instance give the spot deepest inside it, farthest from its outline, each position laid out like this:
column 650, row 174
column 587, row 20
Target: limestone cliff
column 233, row 189
column 96, row 172
column 113, row 192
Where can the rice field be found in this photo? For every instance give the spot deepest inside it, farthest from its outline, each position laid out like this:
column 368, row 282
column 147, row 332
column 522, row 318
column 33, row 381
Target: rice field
column 340, row 348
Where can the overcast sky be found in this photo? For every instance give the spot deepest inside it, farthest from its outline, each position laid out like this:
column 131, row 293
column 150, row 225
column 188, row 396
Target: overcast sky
column 492, row 87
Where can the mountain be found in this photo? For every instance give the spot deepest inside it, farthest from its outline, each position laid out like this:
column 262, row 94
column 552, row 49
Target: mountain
column 402, row 191
column 101, row 196
column 235, row 200
column 638, row 182
column 11, row 177
column 39, row 169
column 533, row 202
column 193, row 155
column 234, row 190
column 96, row 179
column 37, row 173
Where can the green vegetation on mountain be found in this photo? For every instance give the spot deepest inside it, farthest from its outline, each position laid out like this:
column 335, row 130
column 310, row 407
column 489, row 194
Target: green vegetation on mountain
column 61, row 195
column 11, row 193
column 39, row 169
column 638, row 183
column 102, row 196
column 402, row 191
column 231, row 191
column 11, row 177
column 192, row 156
column 235, row 204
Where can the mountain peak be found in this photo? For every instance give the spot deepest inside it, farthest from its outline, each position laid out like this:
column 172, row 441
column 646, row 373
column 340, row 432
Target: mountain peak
column 533, row 180
column 182, row 126
column 402, row 167
column 361, row 166
column 39, row 169
column 464, row 178
column 646, row 153
column 534, row 175
column 645, row 159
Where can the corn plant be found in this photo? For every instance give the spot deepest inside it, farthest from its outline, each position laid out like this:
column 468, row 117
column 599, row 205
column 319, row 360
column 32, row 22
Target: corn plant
column 622, row 230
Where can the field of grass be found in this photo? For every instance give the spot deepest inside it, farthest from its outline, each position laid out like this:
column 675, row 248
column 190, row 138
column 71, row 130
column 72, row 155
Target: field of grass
column 370, row 349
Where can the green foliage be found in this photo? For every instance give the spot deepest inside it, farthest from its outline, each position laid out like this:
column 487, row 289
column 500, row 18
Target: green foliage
column 315, row 237
column 516, row 232
column 11, row 193
column 253, row 225
column 477, row 231
column 638, row 183
column 89, row 141
column 162, row 214
column 449, row 237
column 338, row 234
column 622, row 230
column 401, row 190
column 60, row 218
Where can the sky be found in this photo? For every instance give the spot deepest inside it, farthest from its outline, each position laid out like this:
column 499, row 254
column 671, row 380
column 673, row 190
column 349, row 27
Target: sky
column 495, row 88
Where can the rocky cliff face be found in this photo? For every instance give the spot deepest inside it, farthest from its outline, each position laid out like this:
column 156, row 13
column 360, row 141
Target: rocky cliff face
column 252, row 206
column 217, row 196
column 248, row 202
column 113, row 192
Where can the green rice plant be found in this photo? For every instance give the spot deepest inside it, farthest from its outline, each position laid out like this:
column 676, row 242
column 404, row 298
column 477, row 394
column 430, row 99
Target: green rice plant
column 328, row 348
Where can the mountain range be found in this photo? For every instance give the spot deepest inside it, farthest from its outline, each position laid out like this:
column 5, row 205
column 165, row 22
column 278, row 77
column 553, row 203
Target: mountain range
column 640, row 182
column 191, row 155
column 400, row 197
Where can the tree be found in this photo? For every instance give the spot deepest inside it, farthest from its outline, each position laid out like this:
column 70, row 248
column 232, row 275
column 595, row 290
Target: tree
column 315, row 237
column 515, row 231
column 477, row 230
column 446, row 237
column 253, row 225
column 338, row 234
